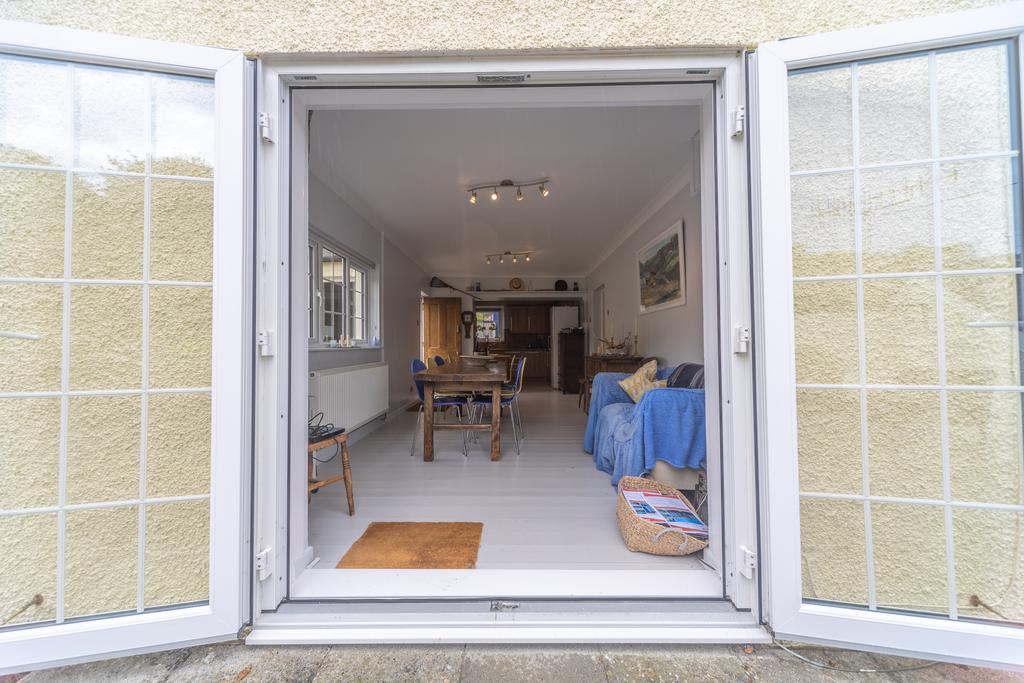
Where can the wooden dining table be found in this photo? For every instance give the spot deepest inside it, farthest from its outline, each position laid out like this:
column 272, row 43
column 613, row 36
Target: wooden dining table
column 459, row 377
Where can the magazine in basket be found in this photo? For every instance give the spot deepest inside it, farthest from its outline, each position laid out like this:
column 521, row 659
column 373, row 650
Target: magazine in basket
column 666, row 511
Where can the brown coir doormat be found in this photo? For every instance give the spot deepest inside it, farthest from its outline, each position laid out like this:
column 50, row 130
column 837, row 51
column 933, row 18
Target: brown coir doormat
column 415, row 545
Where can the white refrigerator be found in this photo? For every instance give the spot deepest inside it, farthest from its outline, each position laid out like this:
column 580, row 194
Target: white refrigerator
column 561, row 318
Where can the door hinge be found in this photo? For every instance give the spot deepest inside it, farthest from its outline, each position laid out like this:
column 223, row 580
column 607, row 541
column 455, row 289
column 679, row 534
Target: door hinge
column 264, row 564
column 748, row 563
column 739, row 121
column 265, row 342
column 264, row 121
column 741, row 339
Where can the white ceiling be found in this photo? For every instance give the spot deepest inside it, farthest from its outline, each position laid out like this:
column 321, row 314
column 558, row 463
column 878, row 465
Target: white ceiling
column 405, row 171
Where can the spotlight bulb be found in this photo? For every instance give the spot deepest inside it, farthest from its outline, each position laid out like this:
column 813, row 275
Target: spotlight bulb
column 514, row 259
column 527, row 258
column 488, row 260
column 472, row 197
column 494, row 194
column 519, row 194
column 501, row 259
column 544, row 191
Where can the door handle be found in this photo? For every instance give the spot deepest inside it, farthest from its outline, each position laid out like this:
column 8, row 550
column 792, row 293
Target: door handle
column 20, row 335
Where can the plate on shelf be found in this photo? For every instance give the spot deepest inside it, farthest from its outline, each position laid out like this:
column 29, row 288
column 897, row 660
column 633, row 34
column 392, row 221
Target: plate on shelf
column 515, row 283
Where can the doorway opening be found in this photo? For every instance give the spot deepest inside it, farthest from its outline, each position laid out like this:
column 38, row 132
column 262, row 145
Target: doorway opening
column 491, row 220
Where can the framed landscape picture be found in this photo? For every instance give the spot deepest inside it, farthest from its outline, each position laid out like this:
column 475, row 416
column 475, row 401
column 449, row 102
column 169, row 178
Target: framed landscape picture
column 661, row 266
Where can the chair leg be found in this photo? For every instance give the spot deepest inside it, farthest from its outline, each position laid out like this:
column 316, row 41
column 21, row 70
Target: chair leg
column 512, row 419
column 415, row 429
column 465, row 448
column 519, row 415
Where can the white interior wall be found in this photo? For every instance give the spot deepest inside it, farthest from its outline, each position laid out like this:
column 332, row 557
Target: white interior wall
column 673, row 335
column 401, row 281
column 401, row 284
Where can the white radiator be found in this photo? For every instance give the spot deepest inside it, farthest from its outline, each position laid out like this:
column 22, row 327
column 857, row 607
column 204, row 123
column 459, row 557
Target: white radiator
column 349, row 397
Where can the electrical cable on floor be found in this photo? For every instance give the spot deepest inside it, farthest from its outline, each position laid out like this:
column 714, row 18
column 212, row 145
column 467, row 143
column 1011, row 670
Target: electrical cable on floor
column 316, row 429
column 829, row 667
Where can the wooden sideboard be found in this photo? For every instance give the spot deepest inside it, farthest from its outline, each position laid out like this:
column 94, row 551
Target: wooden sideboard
column 596, row 364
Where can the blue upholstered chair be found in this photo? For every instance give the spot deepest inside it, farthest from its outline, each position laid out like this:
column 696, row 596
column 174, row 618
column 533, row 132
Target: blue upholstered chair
column 509, row 399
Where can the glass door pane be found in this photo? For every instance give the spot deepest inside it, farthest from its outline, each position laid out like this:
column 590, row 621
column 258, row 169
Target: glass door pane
column 106, row 287
column 906, row 252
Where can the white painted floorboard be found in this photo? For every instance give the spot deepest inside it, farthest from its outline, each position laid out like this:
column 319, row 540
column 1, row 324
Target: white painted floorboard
column 547, row 508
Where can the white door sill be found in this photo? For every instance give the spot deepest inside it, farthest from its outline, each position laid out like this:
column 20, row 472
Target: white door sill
column 431, row 584
column 545, row 622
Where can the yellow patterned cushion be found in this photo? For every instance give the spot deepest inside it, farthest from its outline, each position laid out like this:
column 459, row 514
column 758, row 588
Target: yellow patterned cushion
column 641, row 381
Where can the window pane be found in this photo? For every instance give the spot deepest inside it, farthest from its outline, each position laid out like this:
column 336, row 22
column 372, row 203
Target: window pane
column 820, row 119
column 357, row 303
column 32, row 223
column 907, row 313
column 973, row 91
column 34, row 120
column 110, row 119
column 121, row 442
column 488, row 325
column 895, row 111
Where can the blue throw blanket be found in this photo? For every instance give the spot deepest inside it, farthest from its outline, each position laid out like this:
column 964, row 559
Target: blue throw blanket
column 627, row 438
column 606, row 390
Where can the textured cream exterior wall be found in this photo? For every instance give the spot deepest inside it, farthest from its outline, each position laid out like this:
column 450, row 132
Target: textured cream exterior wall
column 375, row 26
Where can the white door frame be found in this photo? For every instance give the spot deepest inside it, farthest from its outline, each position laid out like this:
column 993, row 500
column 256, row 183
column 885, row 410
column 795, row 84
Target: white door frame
column 229, row 599
column 967, row 642
column 727, row 196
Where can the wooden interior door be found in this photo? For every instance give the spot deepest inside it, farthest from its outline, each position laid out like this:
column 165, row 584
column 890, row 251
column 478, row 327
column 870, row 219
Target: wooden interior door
column 441, row 326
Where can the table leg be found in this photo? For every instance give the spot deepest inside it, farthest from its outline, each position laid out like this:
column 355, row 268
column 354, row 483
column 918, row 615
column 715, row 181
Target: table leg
column 496, row 422
column 428, row 421
column 346, row 470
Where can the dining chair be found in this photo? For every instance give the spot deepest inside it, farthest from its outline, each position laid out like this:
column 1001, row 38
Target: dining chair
column 438, row 361
column 509, row 399
column 440, row 401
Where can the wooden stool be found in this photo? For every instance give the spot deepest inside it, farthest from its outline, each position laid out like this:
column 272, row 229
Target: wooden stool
column 341, row 441
column 584, row 399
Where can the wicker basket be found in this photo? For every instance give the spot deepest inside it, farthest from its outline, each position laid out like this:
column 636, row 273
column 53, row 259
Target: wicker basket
column 648, row 537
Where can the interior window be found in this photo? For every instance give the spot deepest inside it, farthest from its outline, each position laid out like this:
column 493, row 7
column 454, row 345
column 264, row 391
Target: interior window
column 488, row 324
column 356, row 303
column 332, row 284
column 340, row 295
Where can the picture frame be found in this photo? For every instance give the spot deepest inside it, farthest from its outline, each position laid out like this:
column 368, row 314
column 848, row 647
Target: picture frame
column 661, row 270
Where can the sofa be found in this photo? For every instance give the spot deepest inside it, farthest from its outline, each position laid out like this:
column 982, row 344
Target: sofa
column 663, row 433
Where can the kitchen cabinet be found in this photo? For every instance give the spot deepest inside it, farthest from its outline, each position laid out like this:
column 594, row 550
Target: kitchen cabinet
column 539, row 320
column 529, row 319
column 518, row 319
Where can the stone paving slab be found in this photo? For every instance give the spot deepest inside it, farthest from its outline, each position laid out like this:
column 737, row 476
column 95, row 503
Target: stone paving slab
column 237, row 663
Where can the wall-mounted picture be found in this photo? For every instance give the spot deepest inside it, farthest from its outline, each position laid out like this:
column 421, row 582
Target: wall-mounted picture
column 662, row 269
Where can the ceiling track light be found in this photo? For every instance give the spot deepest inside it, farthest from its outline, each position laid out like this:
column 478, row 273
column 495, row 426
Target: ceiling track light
column 514, row 255
column 541, row 183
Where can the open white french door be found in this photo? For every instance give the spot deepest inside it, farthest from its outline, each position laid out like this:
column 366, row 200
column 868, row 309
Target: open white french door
column 887, row 192
column 125, row 263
